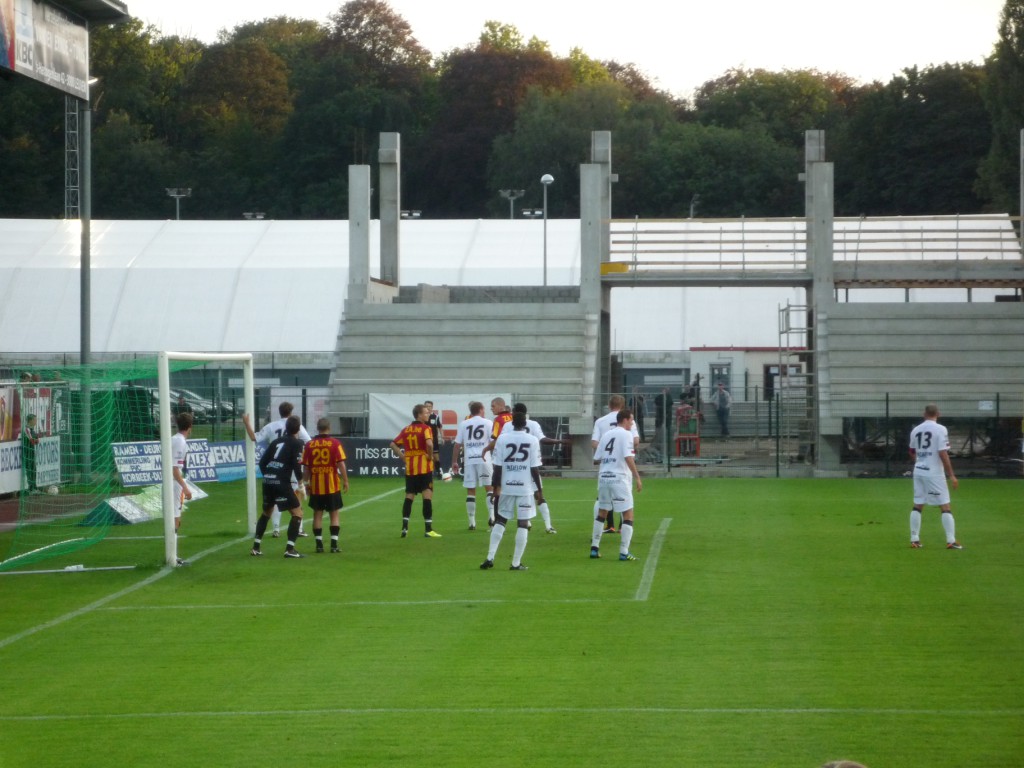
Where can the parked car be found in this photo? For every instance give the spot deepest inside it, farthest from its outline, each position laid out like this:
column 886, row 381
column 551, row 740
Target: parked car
column 224, row 409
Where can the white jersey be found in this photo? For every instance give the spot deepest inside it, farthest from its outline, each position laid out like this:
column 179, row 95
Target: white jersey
column 275, row 429
column 531, row 426
column 474, row 434
column 927, row 439
column 613, row 450
column 605, row 423
column 516, row 453
column 179, row 451
column 179, row 458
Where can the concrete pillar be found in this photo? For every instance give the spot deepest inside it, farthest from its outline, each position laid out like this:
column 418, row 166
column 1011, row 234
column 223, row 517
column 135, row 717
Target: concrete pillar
column 820, row 215
column 389, row 157
column 358, row 233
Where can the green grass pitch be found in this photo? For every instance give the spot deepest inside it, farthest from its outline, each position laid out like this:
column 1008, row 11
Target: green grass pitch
column 777, row 623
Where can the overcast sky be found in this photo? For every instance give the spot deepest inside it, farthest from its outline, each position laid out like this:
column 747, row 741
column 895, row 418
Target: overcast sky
column 679, row 45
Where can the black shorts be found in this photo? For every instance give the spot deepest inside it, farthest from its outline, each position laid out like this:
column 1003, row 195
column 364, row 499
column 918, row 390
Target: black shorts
column 283, row 497
column 419, row 483
column 326, row 502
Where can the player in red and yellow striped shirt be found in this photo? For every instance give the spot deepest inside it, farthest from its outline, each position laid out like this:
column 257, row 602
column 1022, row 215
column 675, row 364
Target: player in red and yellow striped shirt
column 325, row 475
column 502, row 416
column 415, row 444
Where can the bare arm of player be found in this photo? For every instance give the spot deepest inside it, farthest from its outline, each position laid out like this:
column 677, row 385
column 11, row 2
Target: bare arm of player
column 636, row 475
column 947, row 465
column 496, row 484
column 247, row 421
column 180, row 480
column 343, row 471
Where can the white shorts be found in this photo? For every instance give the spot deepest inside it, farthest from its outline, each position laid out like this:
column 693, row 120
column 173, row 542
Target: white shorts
column 616, row 495
column 929, row 489
column 477, row 475
column 516, row 507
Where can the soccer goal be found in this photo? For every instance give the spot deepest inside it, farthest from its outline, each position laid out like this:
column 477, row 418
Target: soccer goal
column 87, row 448
column 213, row 412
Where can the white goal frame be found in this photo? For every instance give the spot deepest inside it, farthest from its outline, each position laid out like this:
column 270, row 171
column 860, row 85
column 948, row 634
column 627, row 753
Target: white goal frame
column 166, row 432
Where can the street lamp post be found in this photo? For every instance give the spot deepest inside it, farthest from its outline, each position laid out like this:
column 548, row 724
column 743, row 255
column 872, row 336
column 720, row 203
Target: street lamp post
column 177, row 193
column 511, row 195
column 546, row 180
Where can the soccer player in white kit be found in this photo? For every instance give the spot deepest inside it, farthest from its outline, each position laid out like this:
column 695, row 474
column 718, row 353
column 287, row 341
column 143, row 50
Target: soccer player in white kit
column 268, row 434
column 615, row 478
column 615, row 404
column 534, row 429
column 179, row 459
column 473, row 436
column 517, row 464
column 929, row 449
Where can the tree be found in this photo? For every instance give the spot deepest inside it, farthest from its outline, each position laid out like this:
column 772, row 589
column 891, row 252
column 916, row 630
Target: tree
column 380, row 41
column 480, row 91
column 913, row 146
column 1004, row 100
column 735, row 172
column 784, row 104
column 552, row 133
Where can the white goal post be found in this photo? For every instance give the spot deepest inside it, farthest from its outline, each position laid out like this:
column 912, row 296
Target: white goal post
column 167, row 431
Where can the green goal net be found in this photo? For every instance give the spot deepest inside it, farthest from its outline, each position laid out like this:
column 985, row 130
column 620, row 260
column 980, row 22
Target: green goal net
column 69, row 437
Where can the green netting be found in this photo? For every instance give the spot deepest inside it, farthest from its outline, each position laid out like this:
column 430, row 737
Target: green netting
column 69, row 476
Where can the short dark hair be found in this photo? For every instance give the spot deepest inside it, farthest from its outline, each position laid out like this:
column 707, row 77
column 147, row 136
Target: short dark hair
column 184, row 421
column 519, row 408
column 623, row 414
column 323, row 424
column 285, row 409
column 293, row 425
column 476, row 407
column 518, row 419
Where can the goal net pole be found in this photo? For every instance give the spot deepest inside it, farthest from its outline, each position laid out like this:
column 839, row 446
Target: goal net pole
column 167, row 430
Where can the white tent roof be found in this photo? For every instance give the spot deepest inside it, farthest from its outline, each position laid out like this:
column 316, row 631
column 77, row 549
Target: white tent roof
column 280, row 286
column 254, row 286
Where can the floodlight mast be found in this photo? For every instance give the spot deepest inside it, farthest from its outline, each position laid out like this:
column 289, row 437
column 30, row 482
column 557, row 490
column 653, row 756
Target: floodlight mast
column 177, row 193
column 546, row 181
column 511, row 195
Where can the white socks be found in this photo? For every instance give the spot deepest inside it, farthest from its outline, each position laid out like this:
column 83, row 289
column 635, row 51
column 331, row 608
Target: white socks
column 521, row 536
column 625, row 536
column 546, row 514
column 915, row 525
column 949, row 527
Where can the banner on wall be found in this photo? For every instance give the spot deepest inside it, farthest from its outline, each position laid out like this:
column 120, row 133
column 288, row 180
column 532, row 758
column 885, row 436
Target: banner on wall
column 141, row 464
column 390, row 414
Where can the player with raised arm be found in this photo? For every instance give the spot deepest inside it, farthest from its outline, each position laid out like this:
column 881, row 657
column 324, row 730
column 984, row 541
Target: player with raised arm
column 929, row 450
column 471, row 439
column 270, row 432
column 615, row 404
column 325, row 475
column 516, row 473
column 279, row 464
column 415, row 444
column 615, row 453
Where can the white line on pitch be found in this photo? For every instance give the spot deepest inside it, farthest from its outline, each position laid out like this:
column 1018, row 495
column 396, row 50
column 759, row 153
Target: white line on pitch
column 166, row 570
column 651, row 565
column 490, row 711
column 365, row 603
